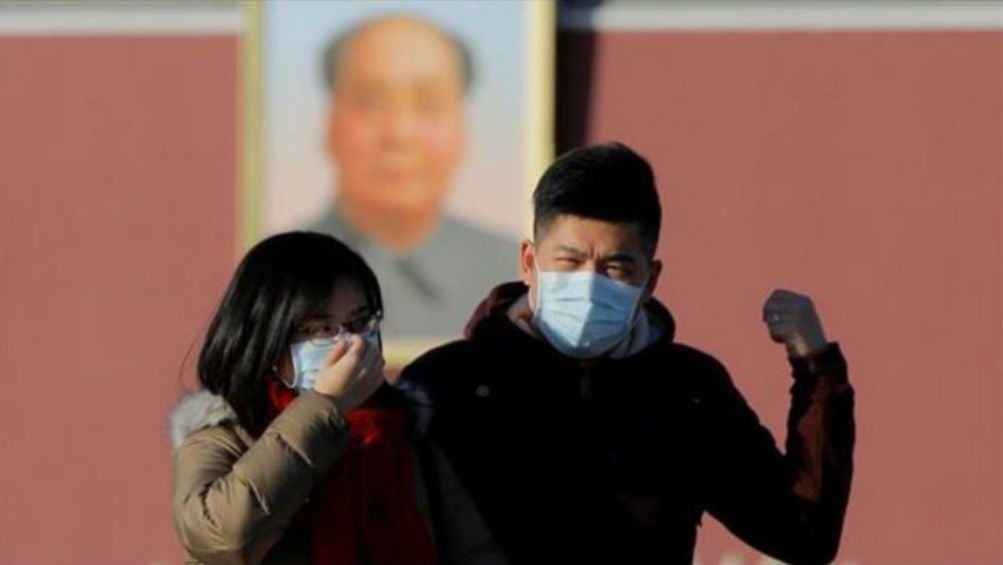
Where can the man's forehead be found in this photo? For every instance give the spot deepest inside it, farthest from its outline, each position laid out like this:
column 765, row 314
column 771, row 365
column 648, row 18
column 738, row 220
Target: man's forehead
column 575, row 233
column 425, row 44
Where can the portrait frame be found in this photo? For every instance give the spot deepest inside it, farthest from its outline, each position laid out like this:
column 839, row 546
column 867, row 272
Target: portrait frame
column 256, row 188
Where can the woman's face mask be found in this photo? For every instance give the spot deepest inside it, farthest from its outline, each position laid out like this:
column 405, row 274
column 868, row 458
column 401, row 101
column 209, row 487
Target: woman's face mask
column 584, row 314
column 308, row 356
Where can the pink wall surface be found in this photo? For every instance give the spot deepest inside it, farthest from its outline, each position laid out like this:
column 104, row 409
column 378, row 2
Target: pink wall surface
column 117, row 232
column 861, row 168
column 866, row 170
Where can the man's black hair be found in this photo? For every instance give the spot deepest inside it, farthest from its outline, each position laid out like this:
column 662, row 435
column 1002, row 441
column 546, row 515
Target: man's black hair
column 335, row 49
column 607, row 182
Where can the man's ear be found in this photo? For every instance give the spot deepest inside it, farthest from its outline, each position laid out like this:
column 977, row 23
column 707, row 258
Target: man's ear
column 527, row 263
column 331, row 138
column 654, row 273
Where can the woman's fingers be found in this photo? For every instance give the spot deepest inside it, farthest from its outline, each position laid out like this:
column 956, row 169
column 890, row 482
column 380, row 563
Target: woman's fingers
column 372, row 366
column 355, row 372
column 337, row 352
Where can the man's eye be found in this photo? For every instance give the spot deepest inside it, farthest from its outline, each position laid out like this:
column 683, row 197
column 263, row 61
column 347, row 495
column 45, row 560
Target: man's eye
column 618, row 272
column 366, row 100
column 430, row 105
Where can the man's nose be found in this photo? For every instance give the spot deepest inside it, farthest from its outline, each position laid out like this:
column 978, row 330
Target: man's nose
column 400, row 126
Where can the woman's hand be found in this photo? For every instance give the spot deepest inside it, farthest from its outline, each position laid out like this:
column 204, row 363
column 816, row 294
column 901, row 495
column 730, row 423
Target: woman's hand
column 353, row 371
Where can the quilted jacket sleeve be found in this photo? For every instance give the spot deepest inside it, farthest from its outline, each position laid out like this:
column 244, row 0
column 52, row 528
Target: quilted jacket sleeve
column 232, row 501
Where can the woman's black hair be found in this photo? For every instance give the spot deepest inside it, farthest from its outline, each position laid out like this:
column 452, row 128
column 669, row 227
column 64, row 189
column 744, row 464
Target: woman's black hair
column 275, row 286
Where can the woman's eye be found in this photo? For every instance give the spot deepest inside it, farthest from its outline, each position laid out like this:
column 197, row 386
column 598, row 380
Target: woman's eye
column 358, row 326
column 319, row 329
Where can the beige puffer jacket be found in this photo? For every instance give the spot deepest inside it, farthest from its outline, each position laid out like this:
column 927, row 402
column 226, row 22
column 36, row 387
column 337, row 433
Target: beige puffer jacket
column 235, row 497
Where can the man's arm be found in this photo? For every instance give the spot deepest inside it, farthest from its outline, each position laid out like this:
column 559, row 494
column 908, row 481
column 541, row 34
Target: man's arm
column 789, row 505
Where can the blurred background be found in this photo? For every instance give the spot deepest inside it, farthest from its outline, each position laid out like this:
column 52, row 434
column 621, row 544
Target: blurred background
column 849, row 150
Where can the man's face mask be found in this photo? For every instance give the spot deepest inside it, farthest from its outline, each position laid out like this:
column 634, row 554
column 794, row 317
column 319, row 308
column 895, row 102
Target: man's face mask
column 308, row 356
column 584, row 314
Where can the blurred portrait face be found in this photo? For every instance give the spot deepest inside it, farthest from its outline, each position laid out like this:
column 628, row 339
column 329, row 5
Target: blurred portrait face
column 396, row 130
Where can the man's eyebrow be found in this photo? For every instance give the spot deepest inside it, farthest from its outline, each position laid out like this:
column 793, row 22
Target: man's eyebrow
column 569, row 249
column 620, row 258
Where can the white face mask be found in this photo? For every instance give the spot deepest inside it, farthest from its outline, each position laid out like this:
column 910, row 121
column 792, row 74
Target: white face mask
column 584, row 314
column 308, row 356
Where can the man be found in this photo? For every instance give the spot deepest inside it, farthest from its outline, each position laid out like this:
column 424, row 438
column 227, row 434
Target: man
column 585, row 434
column 396, row 133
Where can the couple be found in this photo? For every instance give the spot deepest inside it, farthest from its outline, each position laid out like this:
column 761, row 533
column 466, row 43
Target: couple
column 566, row 427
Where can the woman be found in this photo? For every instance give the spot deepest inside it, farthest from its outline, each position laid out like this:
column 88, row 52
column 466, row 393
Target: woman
column 293, row 451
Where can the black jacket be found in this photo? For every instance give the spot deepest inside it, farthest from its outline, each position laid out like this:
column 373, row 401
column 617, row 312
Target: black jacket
column 616, row 462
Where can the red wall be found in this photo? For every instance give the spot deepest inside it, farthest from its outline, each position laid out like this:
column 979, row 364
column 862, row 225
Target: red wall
column 862, row 168
column 865, row 170
column 117, row 232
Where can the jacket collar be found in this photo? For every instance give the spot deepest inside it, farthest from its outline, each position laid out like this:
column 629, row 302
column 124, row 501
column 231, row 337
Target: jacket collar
column 196, row 411
column 490, row 320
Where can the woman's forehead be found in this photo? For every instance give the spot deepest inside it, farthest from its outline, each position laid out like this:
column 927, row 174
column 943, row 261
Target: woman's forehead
column 347, row 300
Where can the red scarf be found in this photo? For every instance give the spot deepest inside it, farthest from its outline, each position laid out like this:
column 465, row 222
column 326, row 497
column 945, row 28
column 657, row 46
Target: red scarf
column 365, row 509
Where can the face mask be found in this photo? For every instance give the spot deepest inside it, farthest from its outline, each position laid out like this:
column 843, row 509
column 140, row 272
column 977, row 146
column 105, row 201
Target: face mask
column 584, row 314
column 308, row 356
